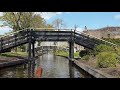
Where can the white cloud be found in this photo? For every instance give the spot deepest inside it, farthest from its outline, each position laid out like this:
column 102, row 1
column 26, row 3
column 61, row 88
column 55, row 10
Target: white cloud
column 117, row 17
column 4, row 30
column 59, row 12
column 1, row 13
column 48, row 15
column 80, row 29
column 67, row 12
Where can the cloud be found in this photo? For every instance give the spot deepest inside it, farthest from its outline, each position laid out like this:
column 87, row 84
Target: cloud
column 67, row 12
column 48, row 15
column 80, row 29
column 59, row 12
column 117, row 17
column 1, row 13
column 4, row 30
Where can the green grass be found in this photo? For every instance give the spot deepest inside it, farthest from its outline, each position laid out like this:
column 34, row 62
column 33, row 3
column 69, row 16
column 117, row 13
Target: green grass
column 14, row 54
column 76, row 54
column 62, row 53
column 66, row 54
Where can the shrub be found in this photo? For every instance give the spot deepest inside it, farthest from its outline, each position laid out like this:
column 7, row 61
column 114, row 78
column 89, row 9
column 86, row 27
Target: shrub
column 83, row 53
column 107, row 59
column 103, row 48
column 118, row 50
column 86, row 58
column 118, row 53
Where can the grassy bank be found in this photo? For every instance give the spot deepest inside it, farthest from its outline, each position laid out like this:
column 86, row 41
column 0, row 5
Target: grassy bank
column 66, row 54
column 14, row 54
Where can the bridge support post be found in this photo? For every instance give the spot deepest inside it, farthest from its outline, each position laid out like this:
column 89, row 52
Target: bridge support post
column 33, row 61
column 29, row 58
column 30, row 54
column 33, row 49
column 71, row 69
column 71, row 50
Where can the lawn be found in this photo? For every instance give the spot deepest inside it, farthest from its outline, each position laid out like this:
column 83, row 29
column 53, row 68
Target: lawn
column 14, row 54
column 66, row 54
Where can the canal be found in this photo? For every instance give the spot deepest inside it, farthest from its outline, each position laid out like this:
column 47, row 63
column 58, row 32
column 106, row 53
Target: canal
column 53, row 67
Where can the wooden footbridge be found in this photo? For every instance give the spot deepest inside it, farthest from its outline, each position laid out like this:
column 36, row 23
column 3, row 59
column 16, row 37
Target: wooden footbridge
column 9, row 41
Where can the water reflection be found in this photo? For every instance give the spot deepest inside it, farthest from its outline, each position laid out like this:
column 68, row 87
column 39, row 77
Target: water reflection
column 53, row 67
column 71, row 69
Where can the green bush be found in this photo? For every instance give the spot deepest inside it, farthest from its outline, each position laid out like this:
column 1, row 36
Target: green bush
column 107, row 59
column 83, row 53
column 103, row 48
column 86, row 58
column 118, row 50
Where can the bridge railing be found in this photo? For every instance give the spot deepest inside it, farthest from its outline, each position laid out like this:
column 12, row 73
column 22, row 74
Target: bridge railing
column 91, row 36
column 52, row 29
column 14, row 38
column 52, row 34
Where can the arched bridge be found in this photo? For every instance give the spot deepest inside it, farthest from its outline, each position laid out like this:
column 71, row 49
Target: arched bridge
column 21, row 37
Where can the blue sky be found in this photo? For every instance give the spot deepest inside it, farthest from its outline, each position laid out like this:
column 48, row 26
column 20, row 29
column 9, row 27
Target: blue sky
column 92, row 20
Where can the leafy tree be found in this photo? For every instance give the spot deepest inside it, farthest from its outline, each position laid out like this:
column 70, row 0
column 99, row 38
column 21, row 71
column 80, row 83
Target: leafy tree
column 20, row 20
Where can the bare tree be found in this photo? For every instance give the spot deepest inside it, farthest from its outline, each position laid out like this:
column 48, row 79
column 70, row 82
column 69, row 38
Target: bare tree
column 58, row 23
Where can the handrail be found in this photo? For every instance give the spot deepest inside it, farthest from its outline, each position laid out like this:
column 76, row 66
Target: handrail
column 8, row 34
column 52, row 29
column 97, row 38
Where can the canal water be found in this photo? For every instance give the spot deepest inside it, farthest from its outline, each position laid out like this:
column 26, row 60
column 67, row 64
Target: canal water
column 52, row 66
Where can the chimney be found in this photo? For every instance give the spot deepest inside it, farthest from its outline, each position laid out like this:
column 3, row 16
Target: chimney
column 85, row 28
